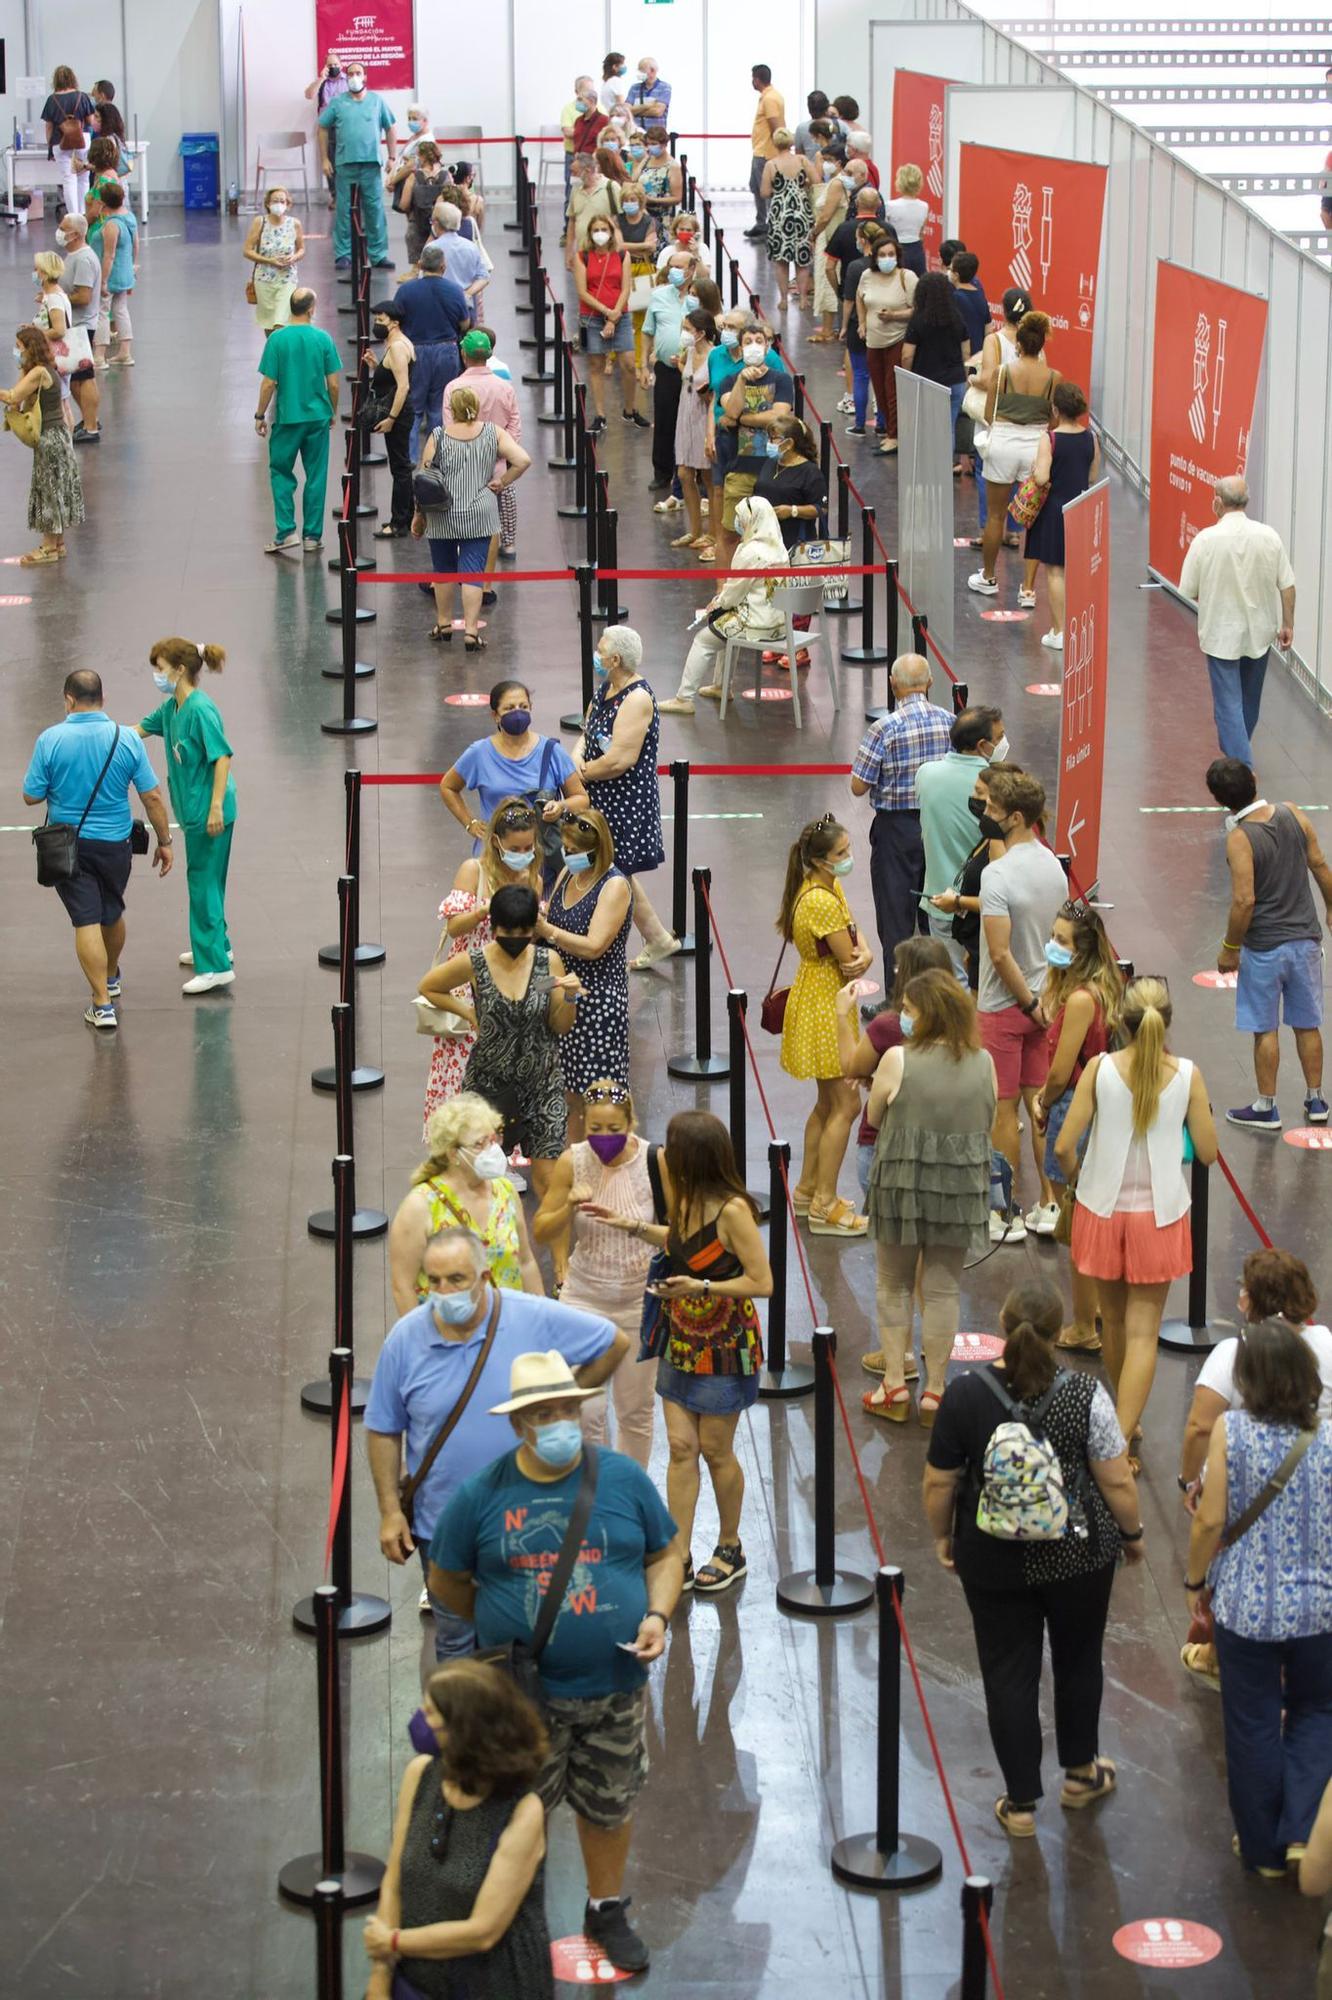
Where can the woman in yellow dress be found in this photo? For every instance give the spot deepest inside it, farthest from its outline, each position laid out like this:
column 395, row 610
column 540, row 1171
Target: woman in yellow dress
column 816, row 918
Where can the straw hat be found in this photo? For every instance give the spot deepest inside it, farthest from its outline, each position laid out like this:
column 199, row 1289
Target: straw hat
column 540, row 1378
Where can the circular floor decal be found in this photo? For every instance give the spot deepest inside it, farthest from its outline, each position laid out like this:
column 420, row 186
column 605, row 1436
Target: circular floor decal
column 1045, row 687
column 1222, row 981
column 1006, row 617
column 581, row 1963
column 765, row 694
column 1310, row 1138
column 1166, row 1942
column 977, row 1347
column 467, row 700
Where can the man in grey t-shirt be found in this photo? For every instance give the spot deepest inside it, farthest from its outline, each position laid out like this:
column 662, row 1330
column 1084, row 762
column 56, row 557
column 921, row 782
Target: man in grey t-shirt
column 83, row 286
column 1020, row 896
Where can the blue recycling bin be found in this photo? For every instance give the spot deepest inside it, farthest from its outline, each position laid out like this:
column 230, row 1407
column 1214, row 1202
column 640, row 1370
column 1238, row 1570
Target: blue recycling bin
column 199, row 153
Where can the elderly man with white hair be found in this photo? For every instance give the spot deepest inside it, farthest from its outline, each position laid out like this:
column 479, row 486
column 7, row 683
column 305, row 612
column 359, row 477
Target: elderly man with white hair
column 860, row 146
column 617, row 762
column 890, row 755
column 569, row 117
column 1239, row 576
column 83, row 288
column 465, row 262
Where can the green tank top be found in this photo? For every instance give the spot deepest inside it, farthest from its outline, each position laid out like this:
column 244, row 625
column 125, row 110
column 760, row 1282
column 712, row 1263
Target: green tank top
column 1014, row 406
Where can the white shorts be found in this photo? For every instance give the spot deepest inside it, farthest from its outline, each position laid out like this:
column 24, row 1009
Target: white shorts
column 1010, row 452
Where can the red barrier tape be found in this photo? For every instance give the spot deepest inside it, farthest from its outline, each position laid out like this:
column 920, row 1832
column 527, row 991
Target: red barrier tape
column 470, row 576
column 341, row 1456
column 663, row 771
column 1243, row 1200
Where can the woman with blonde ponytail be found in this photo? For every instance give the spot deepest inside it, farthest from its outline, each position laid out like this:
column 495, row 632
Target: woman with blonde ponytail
column 1148, row 1114
column 203, row 798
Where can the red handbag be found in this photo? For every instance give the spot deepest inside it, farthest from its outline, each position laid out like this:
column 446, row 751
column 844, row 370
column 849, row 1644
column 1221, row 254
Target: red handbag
column 772, row 1012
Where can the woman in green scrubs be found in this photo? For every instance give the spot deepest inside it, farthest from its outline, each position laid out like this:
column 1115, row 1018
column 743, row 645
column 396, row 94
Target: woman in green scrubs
column 203, row 798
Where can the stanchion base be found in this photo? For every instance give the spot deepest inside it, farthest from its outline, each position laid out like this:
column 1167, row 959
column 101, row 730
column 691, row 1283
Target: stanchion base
column 551, row 417
column 849, row 608
column 539, row 377
column 701, row 1069
column 573, row 722
column 342, row 277
column 317, row 1397
column 688, row 948
column 363, row 1077
column 560, row 464
column 793, row 1380
column 360, row 1878
column 374, row 458
column 364, row 955
column 802, row 1592
column 349, row 310
column 363, row 617
column 857, row 656
column 366, row 1223
column 362, row 510
column 877, row 714
column 1181, row 1338
column 362, row 562
column 356, row 1620
column 350, row 725
column 572, row 513
column 363, row 671
column 861, row 1863
column 600, row 616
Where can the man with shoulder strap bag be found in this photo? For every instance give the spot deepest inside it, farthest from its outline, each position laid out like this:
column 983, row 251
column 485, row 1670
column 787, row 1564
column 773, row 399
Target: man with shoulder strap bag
column 82, row 770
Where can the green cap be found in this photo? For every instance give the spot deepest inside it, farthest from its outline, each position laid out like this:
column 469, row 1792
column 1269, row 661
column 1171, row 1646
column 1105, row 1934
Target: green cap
column 477, row 345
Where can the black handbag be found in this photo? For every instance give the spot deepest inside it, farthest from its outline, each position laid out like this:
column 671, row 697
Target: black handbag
column 548, row 830
column 58, row 845
column 520, row 1658
column 654, row 1327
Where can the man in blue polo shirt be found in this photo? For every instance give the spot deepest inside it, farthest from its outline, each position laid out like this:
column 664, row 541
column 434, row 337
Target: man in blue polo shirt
column 435, row 316
column 83, row 768
column 356, row 120
column 423, row 1369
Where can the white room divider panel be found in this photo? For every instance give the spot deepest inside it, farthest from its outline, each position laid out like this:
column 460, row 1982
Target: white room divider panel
column 953, row 49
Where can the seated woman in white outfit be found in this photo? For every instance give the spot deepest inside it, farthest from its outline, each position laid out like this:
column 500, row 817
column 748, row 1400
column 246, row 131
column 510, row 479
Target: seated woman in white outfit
column 743, row 604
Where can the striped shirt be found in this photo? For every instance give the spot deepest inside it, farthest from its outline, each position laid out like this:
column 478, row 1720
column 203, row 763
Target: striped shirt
column 893, row 751
column 468, row 464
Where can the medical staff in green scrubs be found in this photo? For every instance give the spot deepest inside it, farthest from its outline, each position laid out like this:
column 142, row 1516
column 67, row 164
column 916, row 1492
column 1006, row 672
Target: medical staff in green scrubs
column 356, row 120
column 302, row 366
column 203, row 799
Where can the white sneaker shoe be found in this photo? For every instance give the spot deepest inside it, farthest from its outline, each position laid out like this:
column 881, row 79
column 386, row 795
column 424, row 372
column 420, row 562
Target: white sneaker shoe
column 652, row 954
column 1054, row 640
column 187, row 958
column 423, row 1604
column 1027, row 600
column 1006, row 1229
column 207, row 982
column 1041, row 1220
column 984, row 586
column 846, row 404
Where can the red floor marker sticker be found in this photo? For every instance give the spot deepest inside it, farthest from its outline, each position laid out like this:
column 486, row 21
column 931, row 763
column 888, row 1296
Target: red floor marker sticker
column 1006, row 617
column 582, row 1963
column 977, row 1347
column 1045, row 687
column 1222, row 981
column 15, row 600
column 1310, row 1138
column 765, row 694
column 963, row 542
column 467, row 700
column 1166, row 1942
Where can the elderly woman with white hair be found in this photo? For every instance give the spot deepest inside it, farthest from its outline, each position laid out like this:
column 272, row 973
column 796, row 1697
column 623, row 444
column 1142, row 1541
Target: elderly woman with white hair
column 464, row 1182
column 617, row 762
column 465, row 262
column 742, row 604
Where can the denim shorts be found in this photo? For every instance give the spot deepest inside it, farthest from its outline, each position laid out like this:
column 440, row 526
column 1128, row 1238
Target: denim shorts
column 1054, row 1126
column 620, row 342
column 706, row 1395
column 459, row 558
column 1284, row 982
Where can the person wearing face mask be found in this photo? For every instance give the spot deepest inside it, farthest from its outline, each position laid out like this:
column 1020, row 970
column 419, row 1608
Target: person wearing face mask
column 684, row 235
column 960, row 905
column 418, row 125
column 588, row 126
column 759, row 396
column 83, row 287
column 831, row 210
column 569, row 118
column 462, row 527
column 658, row 175
column 816, row 918
column 607, row 1189
column 588, row 923
column 464, row 1324
column 357, row 121
column 698, row 338
column 422, row 184
column 944, row 789
column 792, row 483
column 663, row 328
column 890, row 757
column 515, row 760
column 614, row 69
column 638, row 233
column 593, row 199
column 497, row 1541
column 617, row 762
column 908, row 213
column 739, row 604
column 602, row 278
column 274, row 245
column 203, row 798
column 649, row 95
column 785, row 186
column 53, row 313
column 390, row 391
column 330, row 83
column 465, row 1180
column 55, row 489
column 883, row 309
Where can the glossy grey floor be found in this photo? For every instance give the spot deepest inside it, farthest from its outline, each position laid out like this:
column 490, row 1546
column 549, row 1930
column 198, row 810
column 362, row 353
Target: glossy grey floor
column 164, row 1496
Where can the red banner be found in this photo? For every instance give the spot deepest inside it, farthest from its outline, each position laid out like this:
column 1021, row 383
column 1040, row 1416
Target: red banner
column 1086, row 665
column 379, row 36
column 1035, row 222
column 918, row 140
column 1206, row 352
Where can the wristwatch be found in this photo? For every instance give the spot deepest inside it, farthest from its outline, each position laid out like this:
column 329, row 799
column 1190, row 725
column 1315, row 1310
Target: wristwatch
column 665, row 1621
column 1030, row 1007
column 1189, row 1584
column 1125, row 1536
column 707, row 1288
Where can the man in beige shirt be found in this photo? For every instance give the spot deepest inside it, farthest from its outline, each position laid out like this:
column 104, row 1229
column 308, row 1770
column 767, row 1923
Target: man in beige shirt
column 1239, row 576
column 768, row 119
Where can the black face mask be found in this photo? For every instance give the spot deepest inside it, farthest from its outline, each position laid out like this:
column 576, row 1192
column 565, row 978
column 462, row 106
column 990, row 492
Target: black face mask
column 991, row 828
column 514, row 946
column 976, row 807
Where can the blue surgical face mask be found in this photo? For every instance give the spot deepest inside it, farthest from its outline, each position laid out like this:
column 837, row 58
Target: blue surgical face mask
column 773, row 447
column 599, row 668
column 162, row 680
column 558, row 1444
column 730, row 336
column 453, row 1308
column 844, row 866
column 577, row 864
column 675, row 275
column 1058, row 955
column 517, row 862
column 887, row 263
column 635, row 152
column 656, row 151
column 630, row 208
column 691, row 302
column 416, row 124
column 907, row 1023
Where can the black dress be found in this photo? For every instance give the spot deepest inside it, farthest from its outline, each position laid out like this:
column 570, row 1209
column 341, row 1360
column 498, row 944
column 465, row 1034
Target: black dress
column 398, row 442
column 1070, row 474
column 443, row 1888
column 515, row 1060
column 631, row 802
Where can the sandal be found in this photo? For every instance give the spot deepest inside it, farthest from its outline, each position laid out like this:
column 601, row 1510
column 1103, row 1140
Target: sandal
column 712, row 1579
column 873, row 1364
column 893, row 1405
column 1200, row 1660
column 839, row 1220
column 688, row 1583
column 1266, row 1874
column 683, row 542
column 441, row 634
column 1080, row 1792
column 473, row 643
column 888, row 449
column 1008, row 1816
column 800, row 1202
column 1077, row 1344
column 35, row 557
column 928, row 1407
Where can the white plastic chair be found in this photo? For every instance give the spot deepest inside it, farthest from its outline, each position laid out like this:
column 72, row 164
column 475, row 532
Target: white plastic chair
column 552, row 160
column 794, row 600
column 463, row 136
column 271, row 145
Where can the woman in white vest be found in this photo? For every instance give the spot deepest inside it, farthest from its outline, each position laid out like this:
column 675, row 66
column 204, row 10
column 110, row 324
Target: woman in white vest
column 1149, row 1114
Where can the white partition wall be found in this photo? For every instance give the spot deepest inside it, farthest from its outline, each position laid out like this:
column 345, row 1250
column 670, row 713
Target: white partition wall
column 1014, row 116
column 945, row 48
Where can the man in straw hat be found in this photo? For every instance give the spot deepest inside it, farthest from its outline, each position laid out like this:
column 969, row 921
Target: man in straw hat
column 491, row 1557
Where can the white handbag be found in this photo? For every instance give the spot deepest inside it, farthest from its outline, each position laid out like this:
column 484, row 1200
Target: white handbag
column 432, row 1020
column 640, row 292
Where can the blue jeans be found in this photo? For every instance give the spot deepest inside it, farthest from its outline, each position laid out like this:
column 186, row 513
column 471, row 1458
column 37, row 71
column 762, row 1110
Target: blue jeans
column 860, row 385
column 956, row 391
column 1237, row 696
column 455, row 1637
column 1275, row 1770
column 436, row 365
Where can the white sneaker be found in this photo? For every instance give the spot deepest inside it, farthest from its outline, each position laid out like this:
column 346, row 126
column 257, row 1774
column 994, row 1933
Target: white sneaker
column 670, row 505
column 206, row 982
column 1041, row 1220
column 187, row 958
column 652, row 954
column 985, row 586
column 1027, row 600
column 1006, row 1229
column 423, row 1604
column 1054, row 640
column 846, row 405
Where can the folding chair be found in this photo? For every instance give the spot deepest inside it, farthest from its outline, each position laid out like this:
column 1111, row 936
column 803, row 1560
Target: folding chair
column 465, row 135
column 271, row 144
column 795, row 600
column 552, row 161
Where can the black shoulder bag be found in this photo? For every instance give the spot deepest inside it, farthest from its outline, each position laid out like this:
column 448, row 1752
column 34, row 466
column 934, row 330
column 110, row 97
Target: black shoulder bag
column 520, row 1658
column 58, row 845
column 548, row 830
column 654, row 1327
column 409, row 1487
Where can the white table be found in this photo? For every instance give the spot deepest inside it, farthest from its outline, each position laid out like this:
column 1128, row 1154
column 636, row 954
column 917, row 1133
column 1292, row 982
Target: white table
column 29, row 167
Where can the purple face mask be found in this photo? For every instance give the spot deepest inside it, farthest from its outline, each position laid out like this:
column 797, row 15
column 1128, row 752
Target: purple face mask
column 608, row 1145
column 422, row 1735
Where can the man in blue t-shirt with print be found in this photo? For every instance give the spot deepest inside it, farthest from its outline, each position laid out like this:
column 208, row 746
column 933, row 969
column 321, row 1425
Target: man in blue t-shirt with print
column 82, row 770
column 491, row 1558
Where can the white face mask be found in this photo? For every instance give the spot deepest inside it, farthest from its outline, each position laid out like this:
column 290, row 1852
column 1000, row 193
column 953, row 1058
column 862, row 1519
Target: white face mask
column 1001, row 750
column 277, row 208
column 489, row 1161
column 753, row 356
column 600, row 238
column 356, row 84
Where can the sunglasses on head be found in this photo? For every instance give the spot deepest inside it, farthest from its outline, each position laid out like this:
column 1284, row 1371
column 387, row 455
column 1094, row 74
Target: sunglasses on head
column 576, row 819
column 516, row 819
column 606, row 1093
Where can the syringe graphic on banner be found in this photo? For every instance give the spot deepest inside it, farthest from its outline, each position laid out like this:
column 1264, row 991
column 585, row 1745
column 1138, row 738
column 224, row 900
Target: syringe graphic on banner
column 1020, row 267
column 1047, row 235
column 934, row 173
column 1202, row 347
column 1218, row 379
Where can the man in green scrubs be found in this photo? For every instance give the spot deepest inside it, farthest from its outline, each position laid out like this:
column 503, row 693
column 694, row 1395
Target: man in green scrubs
column 301, row 364
column 356, row 120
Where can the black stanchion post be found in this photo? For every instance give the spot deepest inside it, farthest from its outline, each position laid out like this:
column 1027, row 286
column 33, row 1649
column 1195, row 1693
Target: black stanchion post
column 555, row 414
column 671, row 138
column 737, row 1006
column 847, row 606
column 735, row 283
column 707, row 222
column 350, row 544
column 348, row 931
column 359, row 1613
column 587, row 643
column 611, row 611
column 866, row 654
column 358, row 1876
column 781, row 1380
column 718, row 254
column 372, row 450
column 598, row 502
column 1194, row 1335
column 519, row 178
column 363, row 509
column 824, row 1591
column 887, row 1858
column 702, row 1066
column 895, row 641
column 365, row 955
column 961, row 696
column 825, row 450
column 977, row 1900
column 328, row 1902
column 680, row 857
column 366, row 1222
column 567, row 461
column 691, row 192
column 349, row 616
column 798, row 381
column 346, row 666
column 521, row 200
column 541, row 373
column 316, row 1397
column 581, row 447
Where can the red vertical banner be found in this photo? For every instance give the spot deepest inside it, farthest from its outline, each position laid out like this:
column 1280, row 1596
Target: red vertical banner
column 1035, row 222
column 1207, row 349
column 380, row 36
column 1086, row 666
column 918, row 140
